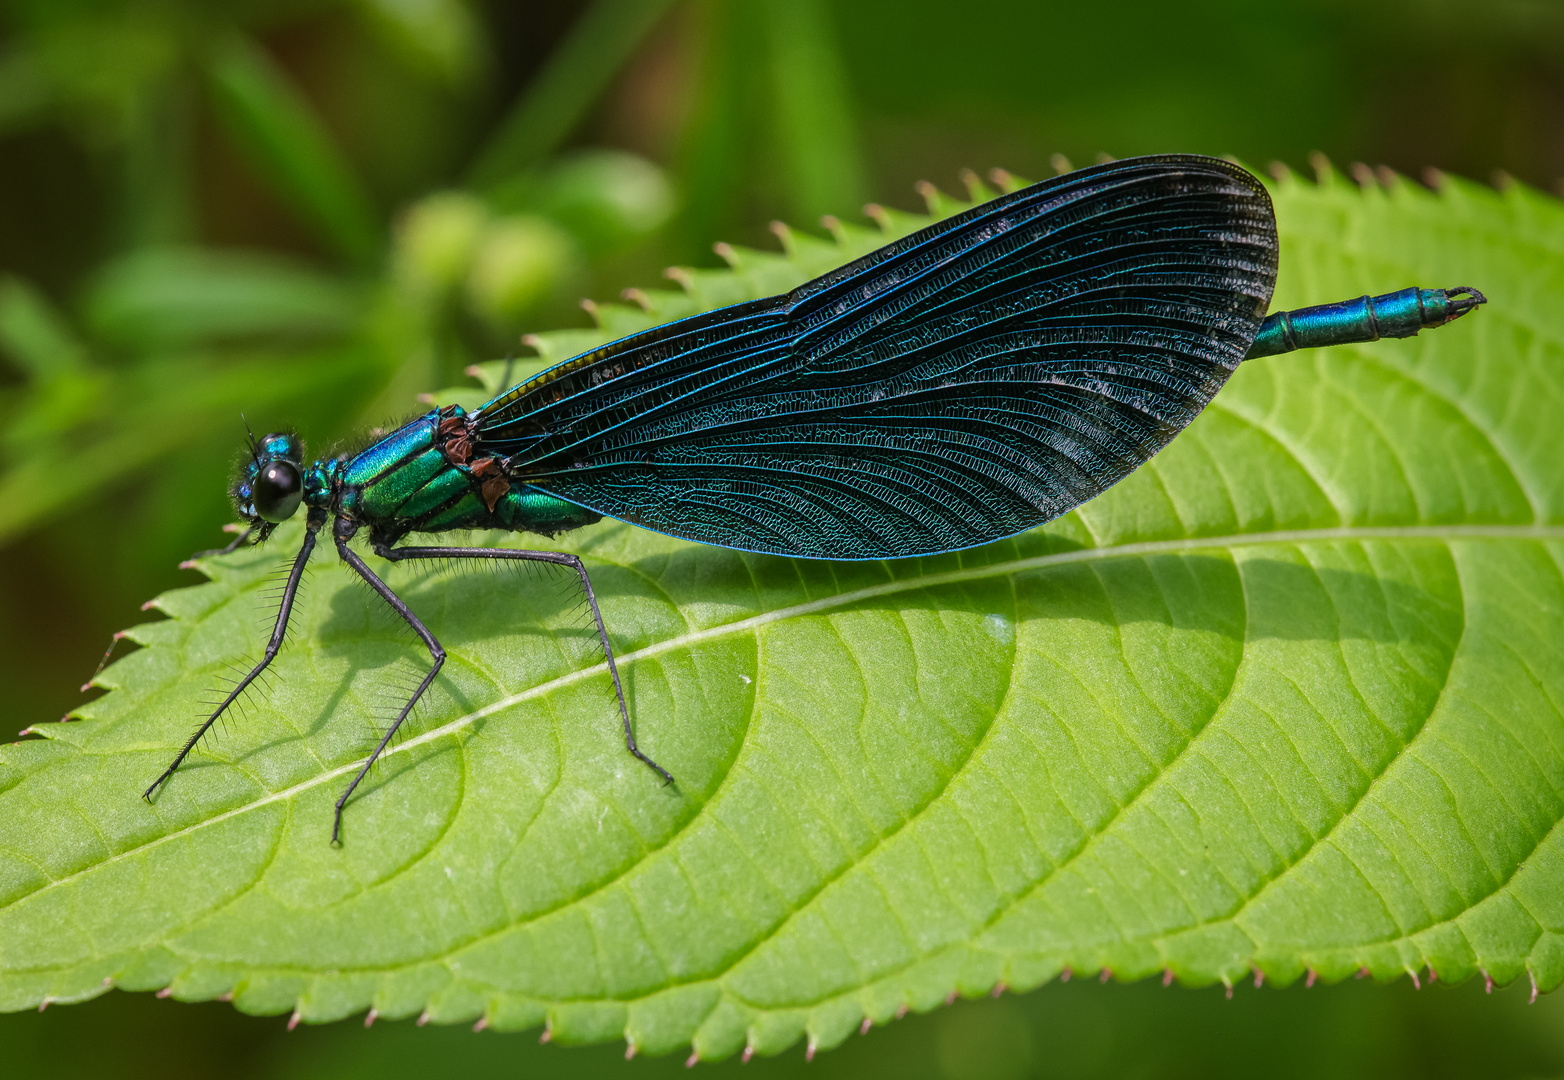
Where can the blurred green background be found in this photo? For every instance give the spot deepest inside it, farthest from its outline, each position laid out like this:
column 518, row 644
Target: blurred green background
column 314, row 210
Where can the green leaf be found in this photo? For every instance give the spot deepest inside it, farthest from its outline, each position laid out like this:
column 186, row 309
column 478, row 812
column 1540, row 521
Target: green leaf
column 559, row 96
column 1285, row 701
column 290, row 146
column 33, row 335
column 177, row 297
column 812, row 108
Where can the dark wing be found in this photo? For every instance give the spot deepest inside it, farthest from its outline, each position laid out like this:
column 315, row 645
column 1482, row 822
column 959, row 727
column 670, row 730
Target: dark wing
column 958, row 386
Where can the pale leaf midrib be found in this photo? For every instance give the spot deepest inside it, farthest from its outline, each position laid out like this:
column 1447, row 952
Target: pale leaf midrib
column 1434, row 533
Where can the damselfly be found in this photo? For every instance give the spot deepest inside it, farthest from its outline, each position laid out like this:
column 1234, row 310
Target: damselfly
column 956, row 387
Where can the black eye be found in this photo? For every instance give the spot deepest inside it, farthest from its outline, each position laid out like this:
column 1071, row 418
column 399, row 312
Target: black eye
column 278, row 489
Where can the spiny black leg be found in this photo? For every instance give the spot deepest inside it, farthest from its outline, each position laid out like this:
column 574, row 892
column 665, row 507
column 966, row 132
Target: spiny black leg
column 244, row 534
column 279, row 632
column 343, row 531
column 558, row 558
column 233, row 546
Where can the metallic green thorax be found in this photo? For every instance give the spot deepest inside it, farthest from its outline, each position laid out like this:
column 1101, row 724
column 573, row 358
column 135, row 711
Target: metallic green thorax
column 422, row 477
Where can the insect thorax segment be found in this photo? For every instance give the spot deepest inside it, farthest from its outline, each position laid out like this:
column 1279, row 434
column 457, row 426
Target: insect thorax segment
column 431, row 475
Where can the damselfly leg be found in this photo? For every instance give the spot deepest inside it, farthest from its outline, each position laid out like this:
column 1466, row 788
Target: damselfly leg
column 403, row 554
column 290, row 590
column 241, row 537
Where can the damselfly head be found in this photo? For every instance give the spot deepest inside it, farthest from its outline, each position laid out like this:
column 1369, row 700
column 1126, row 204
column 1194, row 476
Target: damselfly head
column 270, row 484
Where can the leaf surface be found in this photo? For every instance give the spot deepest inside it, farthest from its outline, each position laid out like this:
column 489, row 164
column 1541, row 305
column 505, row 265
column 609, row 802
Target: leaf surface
column 1286, row 701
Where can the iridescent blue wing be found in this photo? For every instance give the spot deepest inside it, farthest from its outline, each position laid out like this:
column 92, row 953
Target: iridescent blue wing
column 958, row 386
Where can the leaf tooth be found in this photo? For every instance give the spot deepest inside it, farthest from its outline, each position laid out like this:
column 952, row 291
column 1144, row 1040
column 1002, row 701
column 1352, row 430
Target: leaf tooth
column 298, row 1014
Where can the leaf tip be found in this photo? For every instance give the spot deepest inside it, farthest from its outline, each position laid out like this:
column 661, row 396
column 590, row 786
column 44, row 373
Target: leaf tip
column 1323, row 173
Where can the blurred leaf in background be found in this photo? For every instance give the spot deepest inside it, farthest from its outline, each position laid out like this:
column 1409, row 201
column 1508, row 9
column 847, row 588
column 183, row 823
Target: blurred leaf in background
column 312, row 211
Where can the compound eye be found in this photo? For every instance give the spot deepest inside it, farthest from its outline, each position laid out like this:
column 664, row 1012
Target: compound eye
column 278, row 489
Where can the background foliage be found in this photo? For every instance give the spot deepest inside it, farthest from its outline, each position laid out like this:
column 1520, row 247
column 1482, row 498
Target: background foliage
column 314, row 211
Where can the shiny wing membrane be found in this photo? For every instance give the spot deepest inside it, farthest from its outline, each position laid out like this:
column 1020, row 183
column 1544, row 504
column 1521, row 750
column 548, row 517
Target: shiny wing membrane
column 958, row 386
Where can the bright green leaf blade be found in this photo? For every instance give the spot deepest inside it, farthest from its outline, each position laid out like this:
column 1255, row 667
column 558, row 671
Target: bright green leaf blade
column 33, row 335
column 177, row 297
column 1286, row 700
